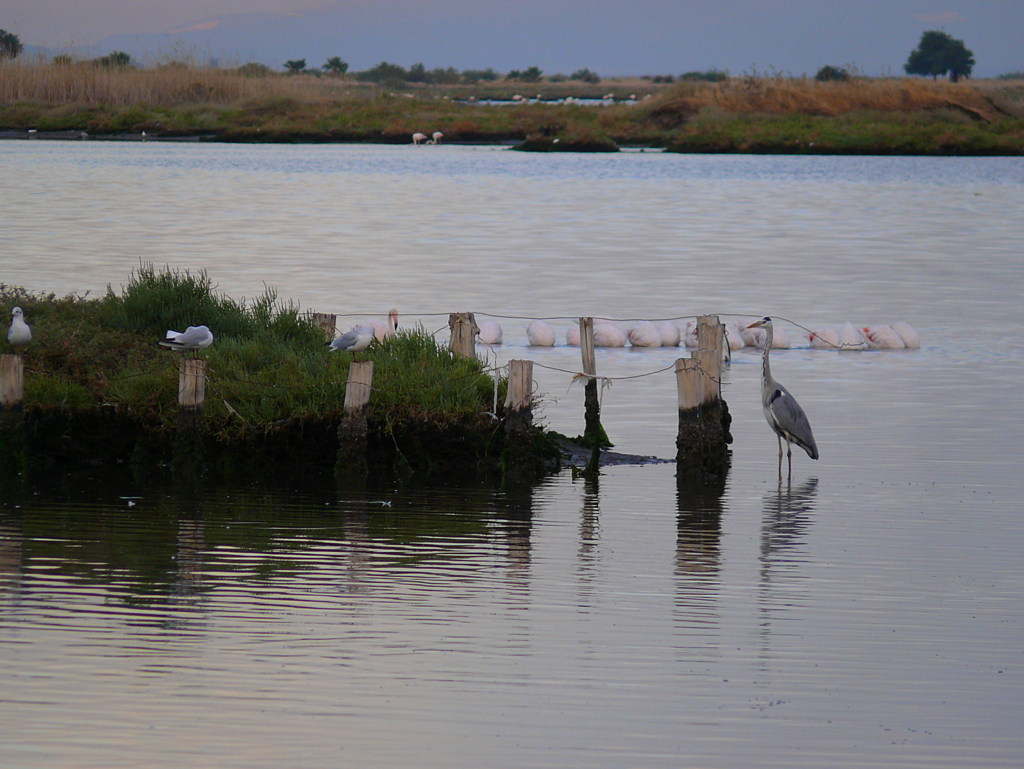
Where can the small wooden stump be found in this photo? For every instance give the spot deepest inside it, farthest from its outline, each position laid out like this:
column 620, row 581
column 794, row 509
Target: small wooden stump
column 188, row 445
column 593, row 432
column 519, row 413
column 353, row 429
column 703, row 437
column 12, row 417
column 464, row 331
column 12, row 382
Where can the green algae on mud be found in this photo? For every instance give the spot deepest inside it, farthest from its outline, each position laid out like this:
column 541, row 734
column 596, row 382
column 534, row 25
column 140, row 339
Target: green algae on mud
column 99, row 389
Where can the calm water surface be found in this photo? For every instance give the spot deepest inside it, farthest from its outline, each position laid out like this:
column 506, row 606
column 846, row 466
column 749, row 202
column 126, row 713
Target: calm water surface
column 870, row 613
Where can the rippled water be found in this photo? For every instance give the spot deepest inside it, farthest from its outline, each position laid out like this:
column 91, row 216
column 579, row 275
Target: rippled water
column 868, row 614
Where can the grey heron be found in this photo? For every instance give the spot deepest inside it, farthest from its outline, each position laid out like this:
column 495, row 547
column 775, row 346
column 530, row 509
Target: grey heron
column 783, row 413
column 19, row 334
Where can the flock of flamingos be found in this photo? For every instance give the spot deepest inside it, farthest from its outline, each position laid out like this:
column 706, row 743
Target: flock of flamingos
column 609, row 333
column 612, row 333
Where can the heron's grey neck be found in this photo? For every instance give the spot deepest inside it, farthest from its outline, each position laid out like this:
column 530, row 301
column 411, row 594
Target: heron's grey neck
column 766, row 370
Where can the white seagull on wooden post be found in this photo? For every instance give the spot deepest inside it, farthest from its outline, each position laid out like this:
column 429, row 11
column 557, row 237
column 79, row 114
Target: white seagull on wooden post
column 193, row 338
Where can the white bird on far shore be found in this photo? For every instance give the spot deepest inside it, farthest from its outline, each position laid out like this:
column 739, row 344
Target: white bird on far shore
column 825, row 339
column 906, row 332
column 607, row 335
column 418, row 138
column 669, row 334
column 644, row 334
column 540, row 334
column 19, row 334
column 490, row 332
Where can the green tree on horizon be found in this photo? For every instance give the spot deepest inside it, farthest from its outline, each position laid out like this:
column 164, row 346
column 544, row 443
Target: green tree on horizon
column 938, row 54
column 295, row 66
column 10, row 45
column 335, row 65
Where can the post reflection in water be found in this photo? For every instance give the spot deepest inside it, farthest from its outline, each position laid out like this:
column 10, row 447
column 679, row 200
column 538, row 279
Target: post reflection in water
column 787, row 515
column 699, row 562
column 590, row 533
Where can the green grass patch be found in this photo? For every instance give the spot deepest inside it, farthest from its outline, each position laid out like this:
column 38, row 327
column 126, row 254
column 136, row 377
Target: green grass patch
column 268, row 368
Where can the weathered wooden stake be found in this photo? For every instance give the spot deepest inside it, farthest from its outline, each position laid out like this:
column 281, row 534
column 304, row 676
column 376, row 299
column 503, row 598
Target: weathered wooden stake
column 593, row 433
column 519, row 412
column 327, row 322
column 12, row 382
column 352, row 430
column 464, row 330
column 188, row 446
column 192, row 384
column 703, row 415
column 12, row 422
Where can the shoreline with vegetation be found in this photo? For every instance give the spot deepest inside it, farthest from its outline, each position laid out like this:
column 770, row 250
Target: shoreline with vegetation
column 721, row 114
column 99, row 389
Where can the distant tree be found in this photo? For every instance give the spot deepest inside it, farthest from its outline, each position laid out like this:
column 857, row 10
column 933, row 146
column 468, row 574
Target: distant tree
column 828, row 73
column 417, row 73
column 335, row 65
column 442, row 76
column 476, row 75
column 707, row 76
column 10, row 45
column 513, row 74
column 385, row 74
column 295, row 66
column 62, row 60
column 531, row 75
column 938, row 54
column 116, row 59
column 585, row 75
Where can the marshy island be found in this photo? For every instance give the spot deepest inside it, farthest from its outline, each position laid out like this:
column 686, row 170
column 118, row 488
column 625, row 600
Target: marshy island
column 709, row 112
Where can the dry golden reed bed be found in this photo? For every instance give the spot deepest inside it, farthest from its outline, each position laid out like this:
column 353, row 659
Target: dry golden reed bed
column 87, row 84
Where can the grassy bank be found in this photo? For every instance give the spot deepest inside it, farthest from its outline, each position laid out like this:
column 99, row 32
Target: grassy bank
column 739, row 114
column 98, row 385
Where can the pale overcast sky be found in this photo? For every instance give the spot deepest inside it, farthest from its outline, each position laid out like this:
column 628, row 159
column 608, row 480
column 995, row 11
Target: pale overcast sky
column 612, row 37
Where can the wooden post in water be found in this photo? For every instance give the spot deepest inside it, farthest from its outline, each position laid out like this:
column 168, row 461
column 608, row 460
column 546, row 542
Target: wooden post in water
column 593, row 433
column 519, row 413
column 464, row 330
column 326, row 322
column 12, row 421
column 12, row 382
column 704, row 420
column 352, row 430
column 188, row 445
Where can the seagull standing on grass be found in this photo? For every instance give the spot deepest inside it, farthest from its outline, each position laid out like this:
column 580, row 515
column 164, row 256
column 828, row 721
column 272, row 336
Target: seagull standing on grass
column 193, row 338
column 19, row 334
